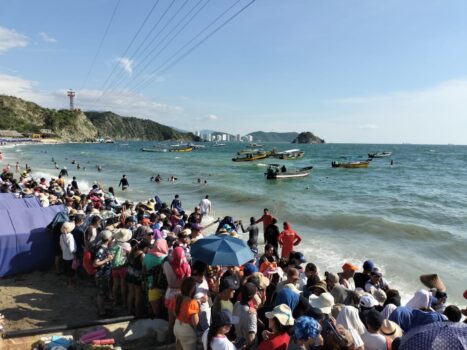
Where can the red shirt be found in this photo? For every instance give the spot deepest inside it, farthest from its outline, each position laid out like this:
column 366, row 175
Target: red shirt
column 279, row 342
column 266, row 219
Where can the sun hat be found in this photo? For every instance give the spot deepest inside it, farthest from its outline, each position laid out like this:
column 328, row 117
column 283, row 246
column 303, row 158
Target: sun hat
column 433, row 281
column 162, row 216
column 72, row 212
column 349, row 266
column 122, row 235
column 368, row 265
column 391, row 329
column 368, row 301
column 257, row 278
column 67, row 227
column 305, row 328
column 105, row 235
column 320, row 285
column 324, row 302
column 223, row 318
column 283, row 314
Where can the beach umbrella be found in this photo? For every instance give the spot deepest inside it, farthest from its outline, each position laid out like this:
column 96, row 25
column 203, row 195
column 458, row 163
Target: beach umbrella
column 436, row 336
column 221, row 250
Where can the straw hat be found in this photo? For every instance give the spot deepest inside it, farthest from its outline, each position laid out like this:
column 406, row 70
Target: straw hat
column 391, row 329
column 320, row 285
column 122, row 235
column 67, row 227
column 283, row 314
column 433, row 281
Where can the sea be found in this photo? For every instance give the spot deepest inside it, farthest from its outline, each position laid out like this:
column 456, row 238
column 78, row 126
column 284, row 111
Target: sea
column 410, row 217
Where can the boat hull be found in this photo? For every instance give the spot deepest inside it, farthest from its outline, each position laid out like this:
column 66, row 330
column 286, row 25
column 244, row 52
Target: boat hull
column 251, row 159
column 352, row 165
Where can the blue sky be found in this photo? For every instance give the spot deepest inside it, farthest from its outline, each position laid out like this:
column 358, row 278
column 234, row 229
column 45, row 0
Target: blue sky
column 350, row 71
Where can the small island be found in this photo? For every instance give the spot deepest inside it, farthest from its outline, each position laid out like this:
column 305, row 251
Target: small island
column 308, row 137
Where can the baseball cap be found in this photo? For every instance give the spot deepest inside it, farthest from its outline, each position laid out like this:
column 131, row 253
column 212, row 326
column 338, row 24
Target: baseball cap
column 306, row 327
column 230, row 282
column 376, row 271
column 249, row 269
column 223, row 318
column 349, row 266
column 368, row 301
column 368, row 265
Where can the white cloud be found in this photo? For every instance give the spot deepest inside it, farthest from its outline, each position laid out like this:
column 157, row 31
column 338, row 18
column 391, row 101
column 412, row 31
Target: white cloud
column 121, row 102
column 209, row 117
column 436, row 114
column 10, row 39
column 47, row 38
column 126, row 64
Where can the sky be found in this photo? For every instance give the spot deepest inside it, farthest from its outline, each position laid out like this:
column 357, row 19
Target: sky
column 349, row 71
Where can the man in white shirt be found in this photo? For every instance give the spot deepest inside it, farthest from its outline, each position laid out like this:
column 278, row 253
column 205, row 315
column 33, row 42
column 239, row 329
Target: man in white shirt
column 371, row 338
column 205, row 206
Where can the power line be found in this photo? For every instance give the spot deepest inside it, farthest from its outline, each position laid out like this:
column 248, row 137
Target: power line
column 186, row 53
column 127, row 48
column 100, row 44
column 138, row 74
column 134, row 56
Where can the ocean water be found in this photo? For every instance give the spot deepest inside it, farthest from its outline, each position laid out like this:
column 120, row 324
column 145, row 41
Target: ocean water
column 409, row 218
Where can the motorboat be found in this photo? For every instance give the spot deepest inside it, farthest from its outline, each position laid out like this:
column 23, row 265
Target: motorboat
column 288, row 155
column 219, row 144
column 180, row 148
column 275, row 171
column 383, row 154
column 254, row 145
column 351, row 165
column 250, row 156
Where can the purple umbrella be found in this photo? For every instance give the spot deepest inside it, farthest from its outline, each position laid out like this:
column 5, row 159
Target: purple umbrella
column 436, row 336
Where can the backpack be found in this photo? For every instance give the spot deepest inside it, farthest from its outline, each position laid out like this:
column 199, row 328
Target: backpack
column 88, row 261
column 119, row 259
column 159, row 278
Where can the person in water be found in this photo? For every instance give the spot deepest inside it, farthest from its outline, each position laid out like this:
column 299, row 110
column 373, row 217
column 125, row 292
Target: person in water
column 124, row 183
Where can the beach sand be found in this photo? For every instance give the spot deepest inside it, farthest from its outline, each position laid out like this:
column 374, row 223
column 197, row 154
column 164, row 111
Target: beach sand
column 42, row 299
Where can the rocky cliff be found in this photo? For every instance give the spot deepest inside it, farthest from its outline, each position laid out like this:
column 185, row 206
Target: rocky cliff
column 307, row 137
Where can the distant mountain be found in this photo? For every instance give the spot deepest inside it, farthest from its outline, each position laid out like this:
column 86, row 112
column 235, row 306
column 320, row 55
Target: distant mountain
column 308, row 137
column 117, row 127
column 262, row 136
column 30, row 118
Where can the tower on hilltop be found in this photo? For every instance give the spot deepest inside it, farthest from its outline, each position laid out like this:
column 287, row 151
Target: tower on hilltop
column 71, row 94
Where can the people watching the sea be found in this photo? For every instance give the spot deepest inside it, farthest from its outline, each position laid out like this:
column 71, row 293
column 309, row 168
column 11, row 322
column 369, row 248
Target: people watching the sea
column 124, row 183
column 143, row 255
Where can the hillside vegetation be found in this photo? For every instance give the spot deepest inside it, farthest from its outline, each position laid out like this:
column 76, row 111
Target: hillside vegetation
column 28, row 117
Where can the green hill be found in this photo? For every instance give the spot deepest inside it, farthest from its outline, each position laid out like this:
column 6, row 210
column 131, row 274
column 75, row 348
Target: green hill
column 117, row 127
column 262, row 136
column 28, row 117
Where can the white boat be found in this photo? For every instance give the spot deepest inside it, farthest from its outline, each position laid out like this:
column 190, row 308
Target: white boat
column 380, row 154
column 219, row 144
column 275, row 171
column 289, row 154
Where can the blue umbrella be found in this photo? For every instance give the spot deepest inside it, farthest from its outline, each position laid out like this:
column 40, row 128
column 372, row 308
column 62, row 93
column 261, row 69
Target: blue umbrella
column 436, row 336
column 222, row 250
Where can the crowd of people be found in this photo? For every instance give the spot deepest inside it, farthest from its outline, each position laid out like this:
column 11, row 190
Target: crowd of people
column 139, row 255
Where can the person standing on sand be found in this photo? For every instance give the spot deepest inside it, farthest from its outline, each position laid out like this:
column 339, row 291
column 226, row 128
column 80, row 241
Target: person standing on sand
column 271, row 236
column 266, row 219
column 252, row 230
column 103, row 264
column 74, row 184
column 124, row 183
column 288, row 239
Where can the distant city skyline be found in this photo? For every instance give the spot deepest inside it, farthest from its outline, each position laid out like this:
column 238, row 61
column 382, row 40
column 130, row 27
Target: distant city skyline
column 357, row 72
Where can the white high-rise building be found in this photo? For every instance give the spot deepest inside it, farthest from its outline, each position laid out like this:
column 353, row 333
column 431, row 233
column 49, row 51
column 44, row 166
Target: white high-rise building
column 250, row 138
column 224, row 137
